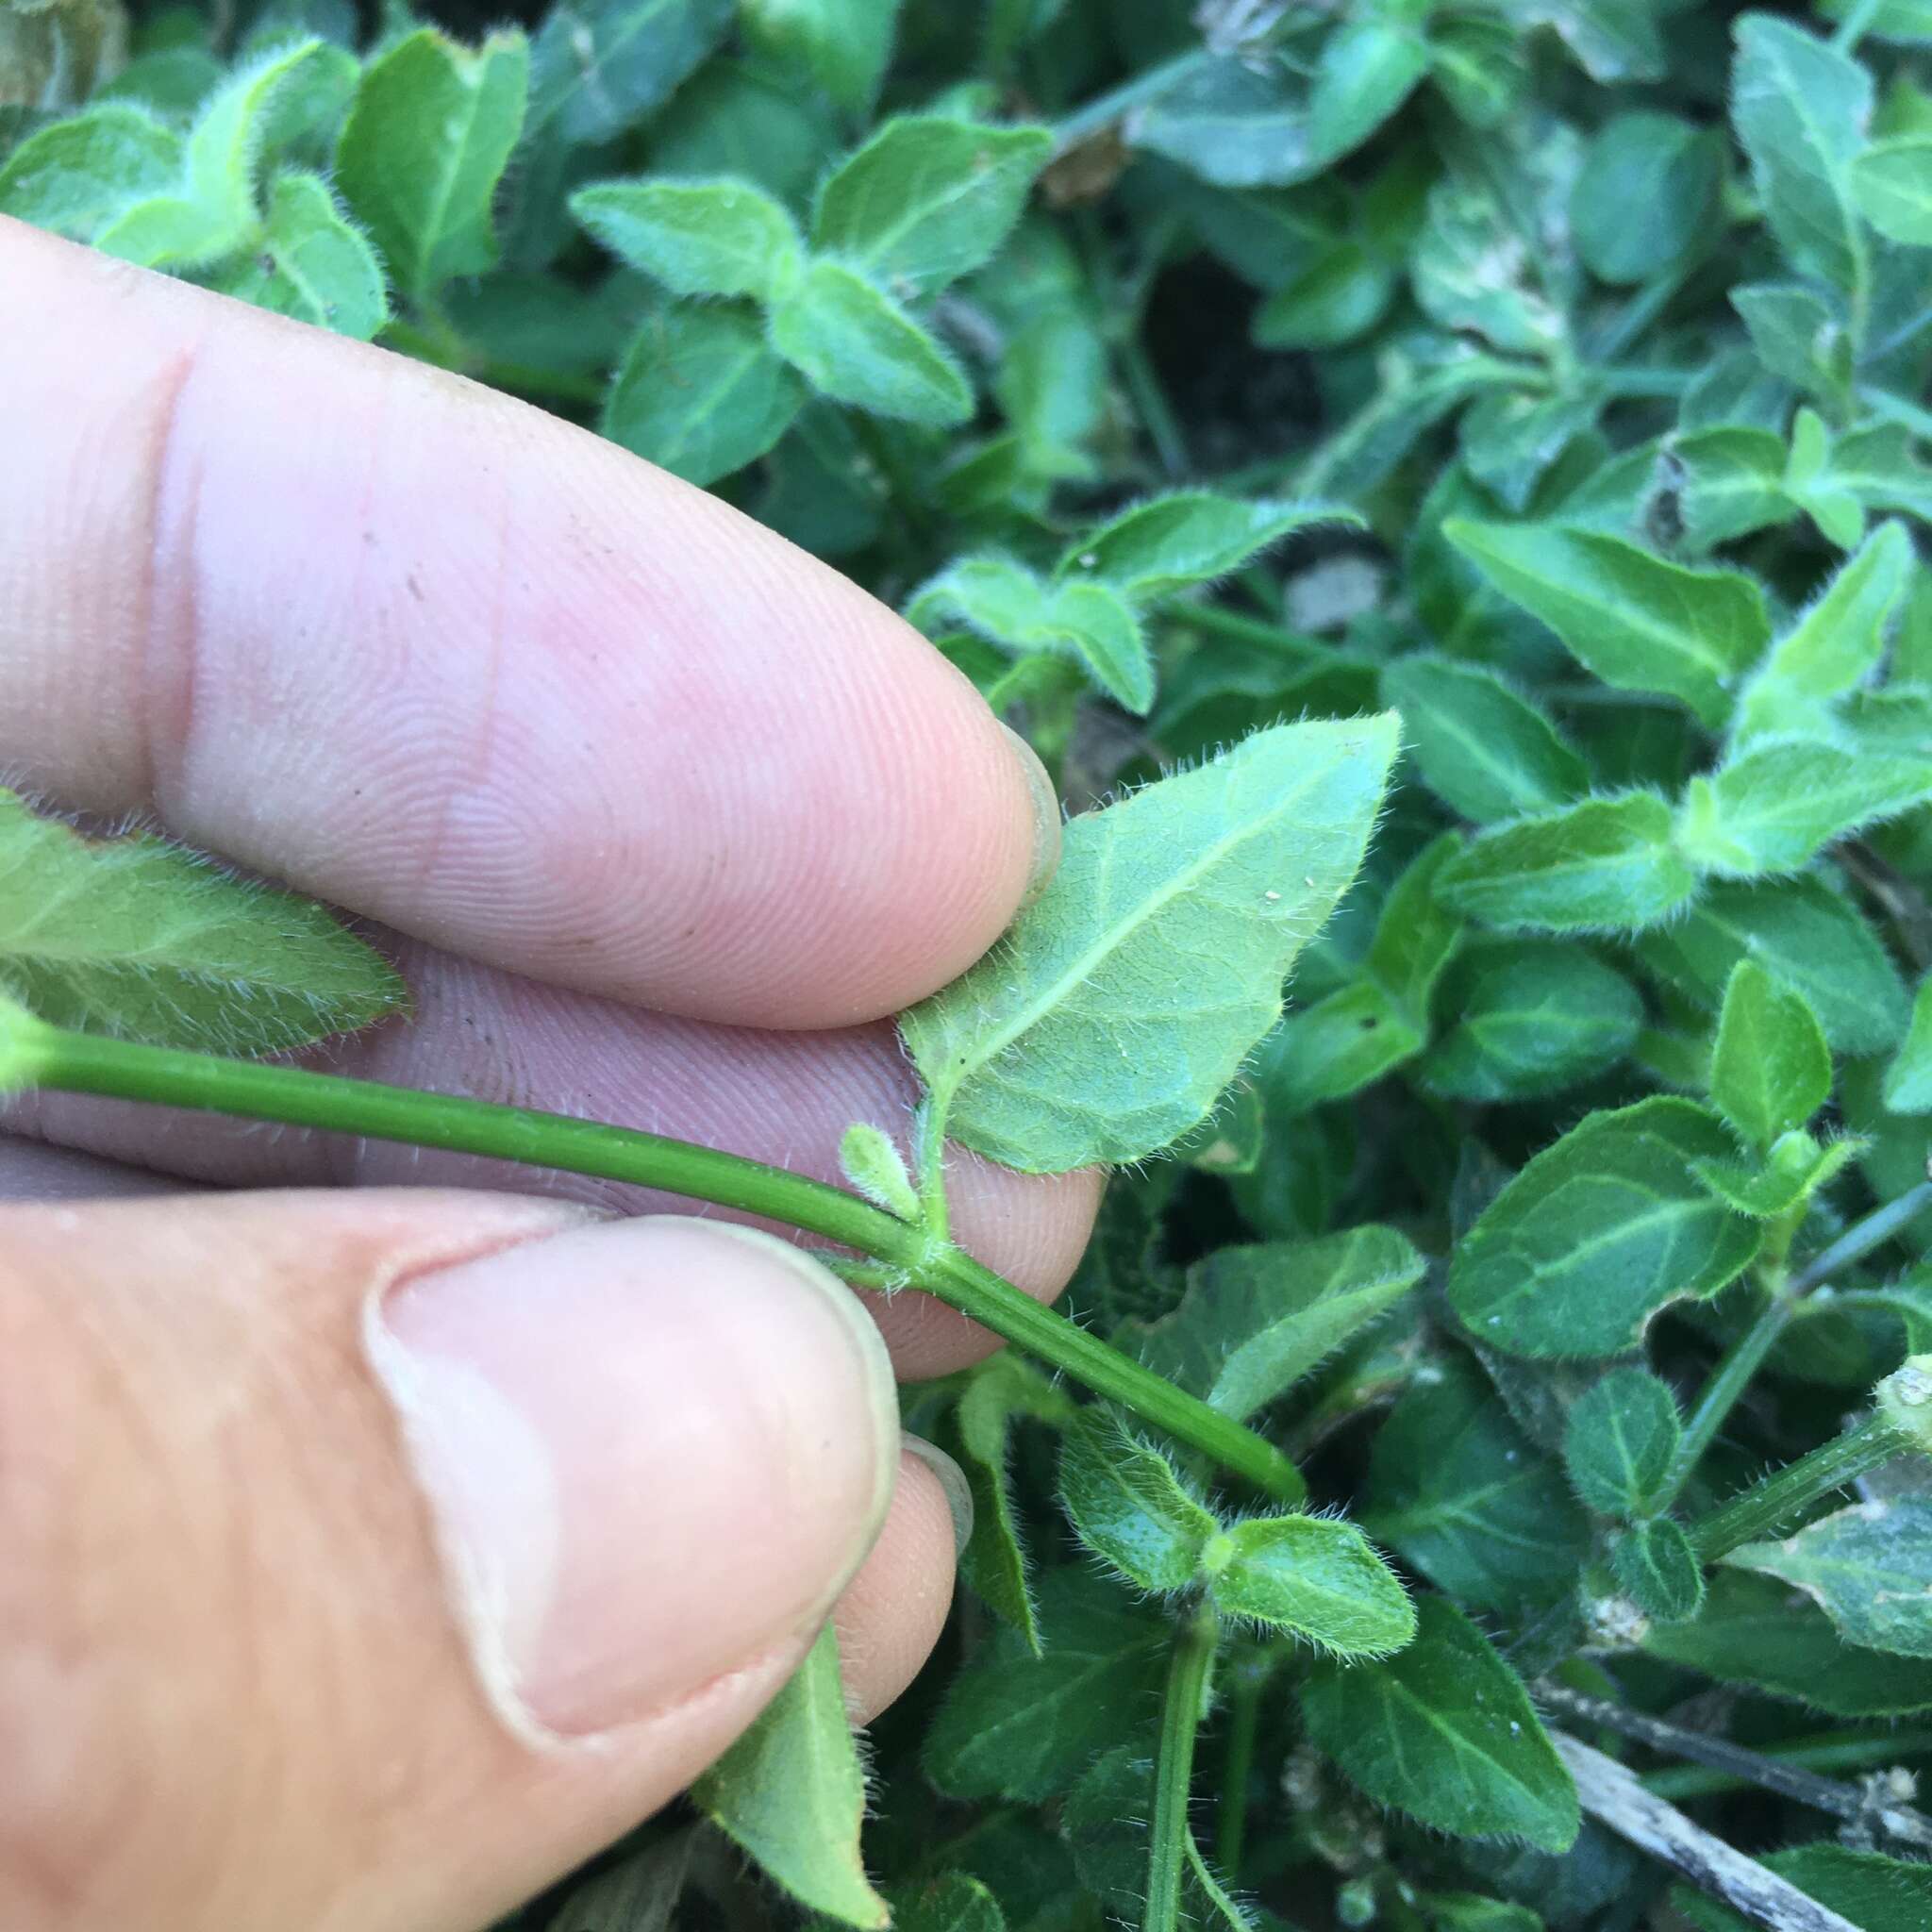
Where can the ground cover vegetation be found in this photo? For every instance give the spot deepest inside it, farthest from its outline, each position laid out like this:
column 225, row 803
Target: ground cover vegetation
column 1442, row 486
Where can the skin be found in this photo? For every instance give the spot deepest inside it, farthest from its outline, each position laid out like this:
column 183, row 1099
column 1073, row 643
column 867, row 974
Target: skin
column 663, row 820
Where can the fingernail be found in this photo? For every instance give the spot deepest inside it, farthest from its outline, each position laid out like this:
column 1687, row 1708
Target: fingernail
column 952, row 1481
column 651, row 1451
column 1046, row 816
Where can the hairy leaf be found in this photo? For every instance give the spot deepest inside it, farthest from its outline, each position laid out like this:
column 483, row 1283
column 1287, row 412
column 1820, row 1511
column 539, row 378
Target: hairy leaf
column 1122, row 1003
column 852, row 343
column 1532, row 1016
column 1620, row 1443
column 1598, row 1232
column 1771, row 1070
column 1657, row 1569
column 1129, row 1505
column 429, row 136
column 927, row 199
column 1444, row 1732
column 1162, row 546
column 701, row 391
column 1869, row 1568
column 790, row 1793
column 1598, row 866
column 698, row 237
column 136, row 937
column 313, row 263
column 1801, row 110
column 1314, row 1577
column 1485, row 749
column 1460, row 1493
column 1255, row 1320
column 1908, row 1079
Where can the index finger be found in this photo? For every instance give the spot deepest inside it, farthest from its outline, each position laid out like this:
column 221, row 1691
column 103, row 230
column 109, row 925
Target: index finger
column 436, row 656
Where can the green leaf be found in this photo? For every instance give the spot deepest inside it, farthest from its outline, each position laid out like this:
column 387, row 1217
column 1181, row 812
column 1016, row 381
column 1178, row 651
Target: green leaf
column 640, row 1894
column 854, row 344
column 1315, row 1577
column 1255, row 1320
column 1755, row 1631
column 1806, row 936
column 1646, row 195
column 701, row 392
column 952, row 1902
column 1656, row 1568
column 1771, row 1070
column 1891, row 182
column 1470, row 269
column 1869, row 1568
column 1369, row 67
column 842, row 45
column 1798, row 335
column 1456, row 1488
column 1780, row 803
column 1533, row 1018
column 1635, row 620
column 1191, row 537
column 1908, row 1079
column 1012, row 605
column 1604, row 865
column 1130, row 1507
column 1801, row 110
column 313, row 263
column 698, row 237
column 1237, row 124
column 1482, row 747
column 874, row 1166
column 927, row 199
column 600, row 66
column 77, row 176
column 1445, row 1733
column 1362, row 1030
column 1199, row 890
column 1620, row 1442
column 1874, row 1893
column 1600, row 1231
column 140, row 939
column 1000, row 1391
column 1837, row 642
column 791, row 1794
column 1021, row 1726
column 429, row 136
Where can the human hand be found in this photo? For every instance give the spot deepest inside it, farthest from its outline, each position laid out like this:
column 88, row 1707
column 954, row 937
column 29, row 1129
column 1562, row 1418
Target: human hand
column 661, row 818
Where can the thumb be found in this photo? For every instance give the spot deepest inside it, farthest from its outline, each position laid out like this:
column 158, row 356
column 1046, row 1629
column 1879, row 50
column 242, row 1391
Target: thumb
column 372, row 1559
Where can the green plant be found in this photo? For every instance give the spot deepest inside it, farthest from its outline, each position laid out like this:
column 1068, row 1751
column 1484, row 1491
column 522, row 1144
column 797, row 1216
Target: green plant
column 1549, row 376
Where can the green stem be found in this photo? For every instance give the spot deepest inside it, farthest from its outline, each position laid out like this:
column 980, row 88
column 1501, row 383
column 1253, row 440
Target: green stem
column 32, row 1053
column 1247, row 1680
column 1773, row 1505
column 1194, row 1645
column 1859, row 1239
column 1105, row 109
column 1218, row 620
column 1721, row 1392
column 1854, row 26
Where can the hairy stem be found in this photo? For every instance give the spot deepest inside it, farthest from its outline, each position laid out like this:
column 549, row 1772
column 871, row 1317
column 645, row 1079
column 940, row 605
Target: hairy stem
column 1768, row 1507
column 34, row 1054
column 1246, row 1682
column 1195, row 1644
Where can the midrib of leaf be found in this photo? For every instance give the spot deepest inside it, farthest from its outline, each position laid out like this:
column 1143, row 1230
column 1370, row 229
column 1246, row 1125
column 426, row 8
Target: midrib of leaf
column 1813, row 132
column 1665, row 1211
column 699, row 419
column 602, row 54
column 1500, row 773
column 470, row 78
column 889, row 239
column 1460, row 1746
column 1116, row 934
